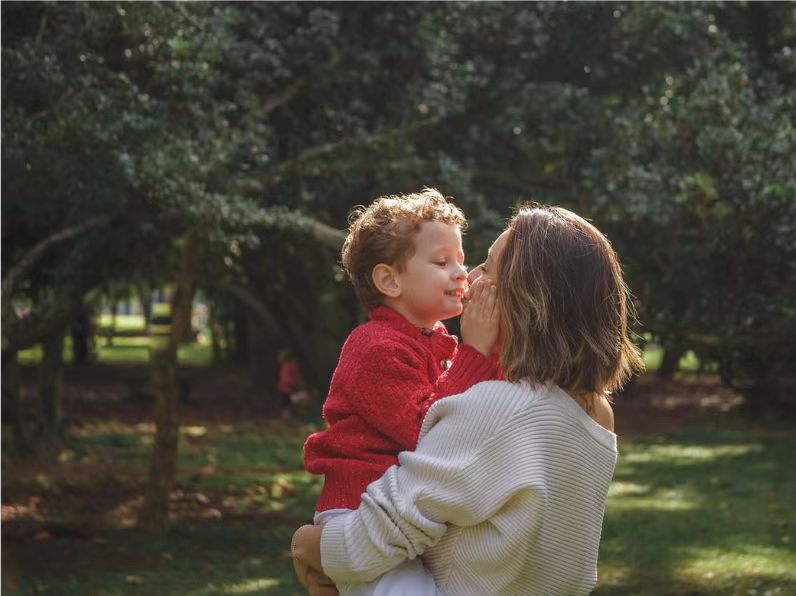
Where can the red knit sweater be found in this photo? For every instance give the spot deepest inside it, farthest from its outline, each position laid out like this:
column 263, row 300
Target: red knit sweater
column 389, row 374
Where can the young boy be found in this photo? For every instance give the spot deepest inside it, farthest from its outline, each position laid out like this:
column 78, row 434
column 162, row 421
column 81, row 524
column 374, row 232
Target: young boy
column 404, row 257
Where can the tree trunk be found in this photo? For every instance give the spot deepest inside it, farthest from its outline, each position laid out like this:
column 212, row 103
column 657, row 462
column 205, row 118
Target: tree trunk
column 263, row 347
column 112, row 329
column 51, row 371
column 145, row 297
column 759, row 30
column 215, row 340
column 83, row 350
column 154, row 517
column 12, row 409
column 670, row 364
column 240, row 329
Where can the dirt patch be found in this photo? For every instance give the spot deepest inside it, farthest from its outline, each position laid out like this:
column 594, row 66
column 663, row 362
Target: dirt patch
column 222, row 394
column 651, row 406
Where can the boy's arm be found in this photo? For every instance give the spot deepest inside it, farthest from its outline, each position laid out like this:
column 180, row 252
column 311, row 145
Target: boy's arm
column 468, row 367
column 392, row 393
column 474, row 361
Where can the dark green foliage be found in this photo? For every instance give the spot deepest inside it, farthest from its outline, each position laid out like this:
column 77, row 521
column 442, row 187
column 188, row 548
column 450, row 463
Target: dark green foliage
column 669, row 124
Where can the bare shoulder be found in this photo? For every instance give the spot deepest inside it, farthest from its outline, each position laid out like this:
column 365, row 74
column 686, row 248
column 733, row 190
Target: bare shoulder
column 603, row 413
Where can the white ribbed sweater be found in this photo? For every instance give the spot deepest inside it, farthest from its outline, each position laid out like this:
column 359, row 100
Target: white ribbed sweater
column 504, row 494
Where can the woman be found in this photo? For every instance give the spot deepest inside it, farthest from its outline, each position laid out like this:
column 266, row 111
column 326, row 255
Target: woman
column 506, row 490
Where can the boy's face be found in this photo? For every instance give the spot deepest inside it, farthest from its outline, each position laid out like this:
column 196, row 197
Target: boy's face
column 433, row 281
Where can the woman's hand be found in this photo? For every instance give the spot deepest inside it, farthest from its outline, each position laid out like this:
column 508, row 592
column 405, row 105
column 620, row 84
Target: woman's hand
column 306, row 551
column 320, row 585
column 480, row 319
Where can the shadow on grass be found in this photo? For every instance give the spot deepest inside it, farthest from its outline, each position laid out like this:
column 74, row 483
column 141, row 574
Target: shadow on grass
column 698, row 512
column 246, row 555
column 240, row 493
column 701, row 513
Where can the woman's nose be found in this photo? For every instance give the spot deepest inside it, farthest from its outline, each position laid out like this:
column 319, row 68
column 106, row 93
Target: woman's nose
column 474, row 274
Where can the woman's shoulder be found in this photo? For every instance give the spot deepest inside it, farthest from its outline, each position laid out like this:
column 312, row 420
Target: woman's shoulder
column 463, row 423
column 485, row 405
column 536, row 403
column 496, row 396
column 602, row 413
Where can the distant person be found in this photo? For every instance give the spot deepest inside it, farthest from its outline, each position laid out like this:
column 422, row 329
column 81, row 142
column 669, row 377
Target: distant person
column 506, row 490
column 289, row 382
column 404, row 257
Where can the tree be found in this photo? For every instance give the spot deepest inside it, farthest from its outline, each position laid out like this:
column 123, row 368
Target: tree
column 256, row 127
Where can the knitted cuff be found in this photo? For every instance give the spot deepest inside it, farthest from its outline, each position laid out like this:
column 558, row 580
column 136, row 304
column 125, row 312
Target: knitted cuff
column 335, row 557
column 468, row 368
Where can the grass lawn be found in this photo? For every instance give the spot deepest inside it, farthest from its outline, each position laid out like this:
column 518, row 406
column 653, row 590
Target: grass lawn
column 241, row 491
column 131, row 350
column 653, row 356
column 701, row 511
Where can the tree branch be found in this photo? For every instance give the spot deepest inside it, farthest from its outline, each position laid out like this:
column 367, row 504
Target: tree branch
column 20, row 333
column 261, row 178
column 274, row 101
column 280, row 218
column 37, row 252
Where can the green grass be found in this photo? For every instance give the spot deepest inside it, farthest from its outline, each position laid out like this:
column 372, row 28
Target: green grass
column 703, row 511
column 123, row 322
column 130, row 350
column 253, row 473
column 653, row 356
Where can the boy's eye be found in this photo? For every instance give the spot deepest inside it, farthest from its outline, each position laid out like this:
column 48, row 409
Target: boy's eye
column 441, row 263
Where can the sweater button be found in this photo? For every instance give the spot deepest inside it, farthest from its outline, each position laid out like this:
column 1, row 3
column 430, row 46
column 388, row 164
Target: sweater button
column 444, row 364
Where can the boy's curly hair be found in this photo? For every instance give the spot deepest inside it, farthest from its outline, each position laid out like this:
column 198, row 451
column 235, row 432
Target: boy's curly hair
column 384, row 232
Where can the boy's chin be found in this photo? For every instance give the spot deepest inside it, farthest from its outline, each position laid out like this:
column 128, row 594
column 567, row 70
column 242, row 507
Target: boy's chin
column 452, row 313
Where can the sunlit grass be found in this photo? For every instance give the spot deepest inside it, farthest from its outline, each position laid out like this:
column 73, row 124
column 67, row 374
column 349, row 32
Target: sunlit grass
column 653, row 357
column 247, row 586
column 123, row 322
column 684, row 455
column 131, row 350
column 698, row 512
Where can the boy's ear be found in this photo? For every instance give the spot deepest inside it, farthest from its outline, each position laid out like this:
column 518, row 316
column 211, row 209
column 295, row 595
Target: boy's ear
column 385, row 279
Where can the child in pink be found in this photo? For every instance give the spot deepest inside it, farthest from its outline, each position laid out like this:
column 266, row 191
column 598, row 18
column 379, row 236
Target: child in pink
column 405, row 260
column 289, row 380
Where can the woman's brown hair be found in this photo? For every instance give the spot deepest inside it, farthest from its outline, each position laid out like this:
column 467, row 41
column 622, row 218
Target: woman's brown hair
column 563, row 304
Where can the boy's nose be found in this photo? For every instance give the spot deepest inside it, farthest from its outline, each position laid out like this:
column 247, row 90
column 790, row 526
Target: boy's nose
column 461, row 272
